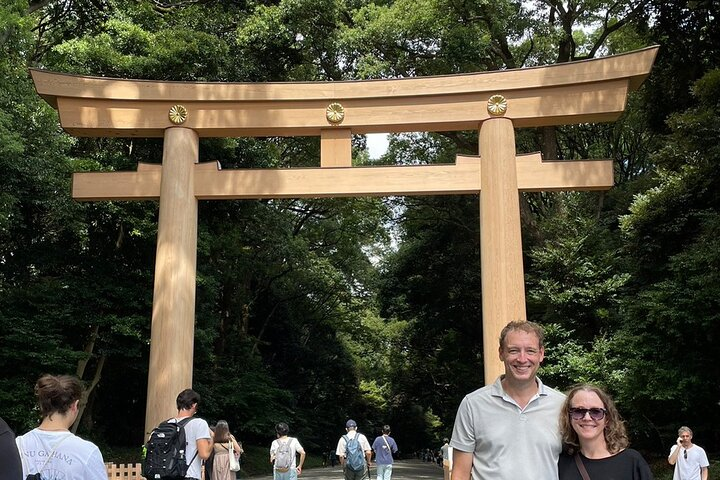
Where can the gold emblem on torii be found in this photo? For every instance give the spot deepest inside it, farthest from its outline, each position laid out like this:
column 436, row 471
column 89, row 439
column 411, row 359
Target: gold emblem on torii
column 497, row 105
column 178, row 114
column 335, row 113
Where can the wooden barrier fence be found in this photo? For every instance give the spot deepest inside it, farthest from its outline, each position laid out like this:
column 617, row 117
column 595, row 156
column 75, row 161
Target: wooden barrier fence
column 124, row 472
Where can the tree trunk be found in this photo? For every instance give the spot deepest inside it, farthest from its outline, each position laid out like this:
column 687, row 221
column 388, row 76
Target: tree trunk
column 82, row 366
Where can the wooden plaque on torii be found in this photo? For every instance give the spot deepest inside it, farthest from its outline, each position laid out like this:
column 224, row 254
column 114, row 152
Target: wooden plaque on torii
column 495, row 103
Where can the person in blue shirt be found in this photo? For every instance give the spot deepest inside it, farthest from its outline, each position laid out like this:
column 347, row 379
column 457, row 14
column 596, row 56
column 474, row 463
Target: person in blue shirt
column 384, row 446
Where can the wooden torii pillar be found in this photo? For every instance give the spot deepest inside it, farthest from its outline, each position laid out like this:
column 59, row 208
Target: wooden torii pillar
column 495, row 103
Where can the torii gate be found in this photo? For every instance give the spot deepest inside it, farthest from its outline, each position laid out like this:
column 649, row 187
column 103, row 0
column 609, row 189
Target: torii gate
column 181, row 112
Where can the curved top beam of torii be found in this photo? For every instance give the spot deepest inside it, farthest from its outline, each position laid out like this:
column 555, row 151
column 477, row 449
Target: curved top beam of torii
column 586, row 91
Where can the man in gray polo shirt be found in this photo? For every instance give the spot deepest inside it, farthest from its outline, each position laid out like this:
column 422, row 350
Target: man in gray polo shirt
column 509, row 430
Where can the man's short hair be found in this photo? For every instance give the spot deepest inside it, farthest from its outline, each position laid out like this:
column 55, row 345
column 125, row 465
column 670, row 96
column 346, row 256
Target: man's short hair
column 386, row 429
column 187, row 398
column 684, row 429
column 527, row 327
column 282, row 429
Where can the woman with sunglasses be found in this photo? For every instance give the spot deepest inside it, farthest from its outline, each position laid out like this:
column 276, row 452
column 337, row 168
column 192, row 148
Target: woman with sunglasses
column 594, row 440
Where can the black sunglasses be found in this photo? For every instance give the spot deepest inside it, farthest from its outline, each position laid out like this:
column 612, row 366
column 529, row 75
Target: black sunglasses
column 595, row 413
column 685, row 454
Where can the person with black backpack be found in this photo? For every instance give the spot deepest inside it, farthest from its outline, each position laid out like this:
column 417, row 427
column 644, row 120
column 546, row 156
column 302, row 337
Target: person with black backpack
column 354, row 452
column 177, row 447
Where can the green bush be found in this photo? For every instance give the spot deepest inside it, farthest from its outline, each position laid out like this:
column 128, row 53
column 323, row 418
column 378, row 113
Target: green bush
column 662, row 470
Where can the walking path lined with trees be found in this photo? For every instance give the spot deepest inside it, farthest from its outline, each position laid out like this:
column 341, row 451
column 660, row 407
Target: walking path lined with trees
column 402, row 470
column 308, row 311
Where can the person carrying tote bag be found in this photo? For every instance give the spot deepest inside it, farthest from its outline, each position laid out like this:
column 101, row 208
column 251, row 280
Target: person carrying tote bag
column 226, row 452
column 233, row 457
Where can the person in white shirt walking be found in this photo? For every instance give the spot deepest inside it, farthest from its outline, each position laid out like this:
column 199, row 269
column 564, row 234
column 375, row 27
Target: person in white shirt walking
column 690, row 460
column 354, row 452
column 283, row 454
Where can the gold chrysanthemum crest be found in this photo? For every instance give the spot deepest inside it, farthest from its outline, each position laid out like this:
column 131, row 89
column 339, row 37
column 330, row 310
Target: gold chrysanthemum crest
column 335, row 113
column 497, row 105
column 178, row 114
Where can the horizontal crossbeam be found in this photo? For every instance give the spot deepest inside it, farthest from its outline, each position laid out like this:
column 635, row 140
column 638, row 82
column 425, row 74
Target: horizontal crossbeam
column 213, row 183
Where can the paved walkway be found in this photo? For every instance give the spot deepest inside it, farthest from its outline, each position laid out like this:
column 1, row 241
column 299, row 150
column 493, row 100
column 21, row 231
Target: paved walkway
column 402, row 470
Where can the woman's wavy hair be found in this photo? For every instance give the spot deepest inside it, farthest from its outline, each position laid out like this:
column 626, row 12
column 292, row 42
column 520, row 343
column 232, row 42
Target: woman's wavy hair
column 615, row 434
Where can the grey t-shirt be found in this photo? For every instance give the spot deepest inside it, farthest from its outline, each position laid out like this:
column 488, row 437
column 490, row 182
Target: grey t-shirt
column 509, row 442
column 196, row 429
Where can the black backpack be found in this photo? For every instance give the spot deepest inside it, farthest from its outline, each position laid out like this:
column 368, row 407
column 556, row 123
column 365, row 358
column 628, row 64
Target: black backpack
column 165, row 457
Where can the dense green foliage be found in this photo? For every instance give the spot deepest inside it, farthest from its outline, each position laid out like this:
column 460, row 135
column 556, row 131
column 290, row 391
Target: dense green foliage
column 314, row 311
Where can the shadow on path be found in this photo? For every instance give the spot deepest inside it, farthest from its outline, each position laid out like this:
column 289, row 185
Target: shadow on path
column 402, row 470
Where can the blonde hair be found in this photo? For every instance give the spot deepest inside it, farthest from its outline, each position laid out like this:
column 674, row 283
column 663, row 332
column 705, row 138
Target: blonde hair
column 522, row 325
